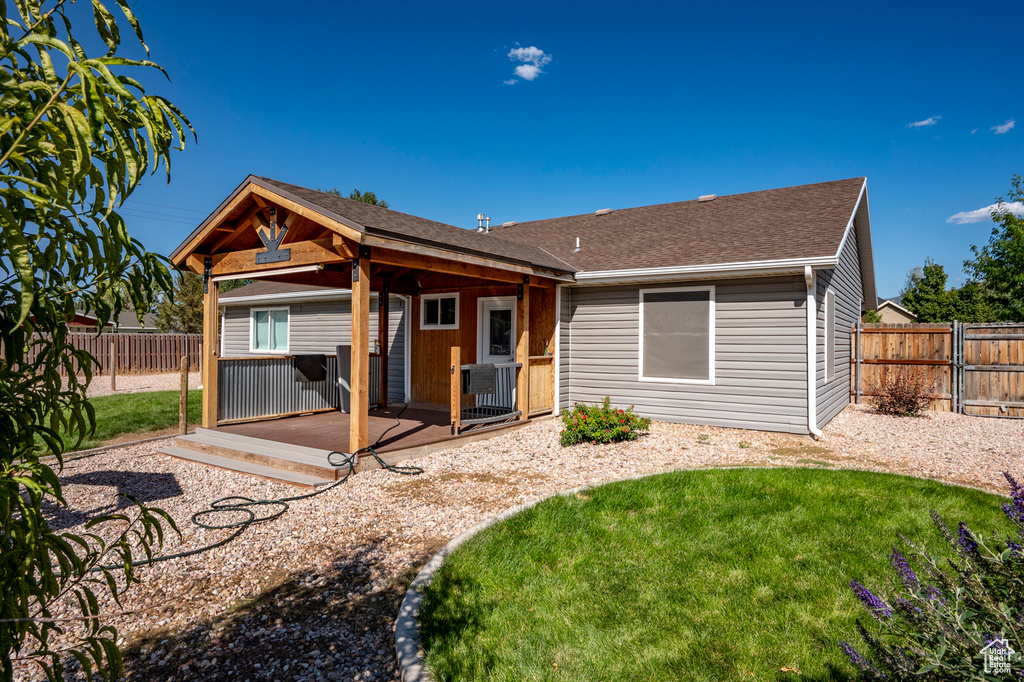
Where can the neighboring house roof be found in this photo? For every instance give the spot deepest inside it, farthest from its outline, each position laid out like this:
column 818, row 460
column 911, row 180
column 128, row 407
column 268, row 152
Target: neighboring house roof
column 891, row 303
column 263, row 290
column 384, row 222
column 127, row 320
column 778, row 224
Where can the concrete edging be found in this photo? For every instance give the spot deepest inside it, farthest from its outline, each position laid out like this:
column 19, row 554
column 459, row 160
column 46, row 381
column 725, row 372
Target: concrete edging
column 407, row 636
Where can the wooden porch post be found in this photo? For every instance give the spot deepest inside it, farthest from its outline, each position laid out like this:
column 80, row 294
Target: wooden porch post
column 523, row 352
column 360, row 378
column 383, row 329
column 210, row 348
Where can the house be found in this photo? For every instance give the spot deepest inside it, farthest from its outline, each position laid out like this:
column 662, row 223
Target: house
column 731, row 311
column 127, row 322
column 891, row 312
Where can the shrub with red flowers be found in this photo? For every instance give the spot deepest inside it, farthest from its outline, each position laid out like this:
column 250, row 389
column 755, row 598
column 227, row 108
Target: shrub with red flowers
column 601, row 424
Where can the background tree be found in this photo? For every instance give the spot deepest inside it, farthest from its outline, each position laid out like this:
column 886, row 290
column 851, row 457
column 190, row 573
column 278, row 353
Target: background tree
column 76, row 137
column 182, row 309
column 872, row 317
column 925, row 293
column 1000, row 263
column 365, row 197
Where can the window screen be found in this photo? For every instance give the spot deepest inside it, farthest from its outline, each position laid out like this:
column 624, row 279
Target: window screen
column 830, row 336
column 677, row 335
column 270, row 330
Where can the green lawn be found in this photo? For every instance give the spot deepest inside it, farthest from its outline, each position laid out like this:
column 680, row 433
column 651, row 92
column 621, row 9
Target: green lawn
column 702, row 575
column 137, row 413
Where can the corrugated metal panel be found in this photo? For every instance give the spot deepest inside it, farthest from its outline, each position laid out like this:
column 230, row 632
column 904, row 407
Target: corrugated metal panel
column 266, row 387
column 319, row 326
column 760, row 368
column 845, row 282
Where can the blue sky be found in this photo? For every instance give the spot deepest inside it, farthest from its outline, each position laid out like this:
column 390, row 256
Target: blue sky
column 629, row 104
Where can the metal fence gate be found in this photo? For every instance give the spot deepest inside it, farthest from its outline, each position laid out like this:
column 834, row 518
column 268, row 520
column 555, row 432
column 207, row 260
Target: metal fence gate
column 974, row 369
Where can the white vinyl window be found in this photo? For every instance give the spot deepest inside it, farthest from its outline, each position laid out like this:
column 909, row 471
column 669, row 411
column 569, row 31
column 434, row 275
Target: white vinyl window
column 268, row 330
column 677, row 335
column 439, row 311
column 830, row 335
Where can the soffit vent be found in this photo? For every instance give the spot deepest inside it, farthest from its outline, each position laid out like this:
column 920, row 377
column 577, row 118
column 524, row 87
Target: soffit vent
column 706, row 197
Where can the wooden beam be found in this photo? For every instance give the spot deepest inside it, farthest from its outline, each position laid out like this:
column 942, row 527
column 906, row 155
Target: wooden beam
column 211, row 346
column 345, row 247
column 315, row 252
column 446, row 255
column 523, row 355
column 309, row 213
column 216, row 220
column 359, row 411
column 383, row 329
column 452, row 265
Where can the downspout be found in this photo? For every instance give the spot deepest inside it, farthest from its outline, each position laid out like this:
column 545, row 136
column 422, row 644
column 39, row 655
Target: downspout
column 812, row 355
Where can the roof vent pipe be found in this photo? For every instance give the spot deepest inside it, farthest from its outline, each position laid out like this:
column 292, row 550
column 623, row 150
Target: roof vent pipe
column 706, row 197
column 577, row 245
column 487, row 224
column 479, row 222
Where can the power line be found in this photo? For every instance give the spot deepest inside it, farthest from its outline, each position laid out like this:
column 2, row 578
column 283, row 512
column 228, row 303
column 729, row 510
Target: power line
column 158, row 213
column 164, row 220
column 186, row 210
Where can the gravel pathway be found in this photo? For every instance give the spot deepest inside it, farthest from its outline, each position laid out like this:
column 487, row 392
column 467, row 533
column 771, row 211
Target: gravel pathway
column 139, row 383
column 314, row 594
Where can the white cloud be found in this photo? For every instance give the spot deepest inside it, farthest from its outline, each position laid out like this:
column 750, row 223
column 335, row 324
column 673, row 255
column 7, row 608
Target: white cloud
column 974, row 131
column 533, row 60
column 984, row 214
column 1004, row 128
column 930, row 121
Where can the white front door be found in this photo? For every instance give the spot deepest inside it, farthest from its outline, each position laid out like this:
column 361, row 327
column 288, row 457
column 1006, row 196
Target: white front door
column 496, row 330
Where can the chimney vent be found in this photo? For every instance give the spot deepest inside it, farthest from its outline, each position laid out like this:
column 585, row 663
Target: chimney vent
column 706, row 197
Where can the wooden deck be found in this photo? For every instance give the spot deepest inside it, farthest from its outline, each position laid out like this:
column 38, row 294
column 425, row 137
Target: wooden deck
column 421, row 430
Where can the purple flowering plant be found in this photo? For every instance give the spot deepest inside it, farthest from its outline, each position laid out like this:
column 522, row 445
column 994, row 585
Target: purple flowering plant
column 936, row 618
column 601, row 424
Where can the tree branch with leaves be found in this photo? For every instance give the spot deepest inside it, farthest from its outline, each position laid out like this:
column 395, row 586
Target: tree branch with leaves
column 77, row 135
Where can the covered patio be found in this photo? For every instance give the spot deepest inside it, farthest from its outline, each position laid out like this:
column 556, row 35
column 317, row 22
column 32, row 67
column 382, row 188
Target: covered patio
column 473, row 300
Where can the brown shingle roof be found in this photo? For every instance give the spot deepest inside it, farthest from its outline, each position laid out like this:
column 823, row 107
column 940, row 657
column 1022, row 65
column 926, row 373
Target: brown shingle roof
column 385, row 222
column 807, row 221
column 265, row 287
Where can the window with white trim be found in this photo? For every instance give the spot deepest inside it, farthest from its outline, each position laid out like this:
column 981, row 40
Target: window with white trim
column 830, row 335
column 439, row 311
column 677, row 335
column 268, row 330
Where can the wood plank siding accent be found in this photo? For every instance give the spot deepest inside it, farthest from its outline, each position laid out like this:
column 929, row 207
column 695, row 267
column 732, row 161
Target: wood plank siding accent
column 760, row 356
column 319, row 326
column 845, row 283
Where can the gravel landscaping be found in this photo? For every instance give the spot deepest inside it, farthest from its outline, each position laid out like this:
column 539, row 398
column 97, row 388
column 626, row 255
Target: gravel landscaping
column 139, row 383
column 313, row 595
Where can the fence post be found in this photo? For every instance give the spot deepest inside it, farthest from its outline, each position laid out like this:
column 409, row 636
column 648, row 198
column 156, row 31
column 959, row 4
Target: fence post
column 456, row 392
column 183, row 398
column 857, row 366
column 113, row 364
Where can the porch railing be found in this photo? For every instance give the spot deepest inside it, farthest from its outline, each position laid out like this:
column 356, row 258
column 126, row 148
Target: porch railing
column 484, row 410
column 252, row 388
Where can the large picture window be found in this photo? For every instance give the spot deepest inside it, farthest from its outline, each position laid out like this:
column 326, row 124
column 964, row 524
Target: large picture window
column 268, row 330
column 677, row 335
column 439, row 311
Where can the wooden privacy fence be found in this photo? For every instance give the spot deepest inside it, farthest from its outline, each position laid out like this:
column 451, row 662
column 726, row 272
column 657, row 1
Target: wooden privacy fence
column 137, row 353
column 973, row 369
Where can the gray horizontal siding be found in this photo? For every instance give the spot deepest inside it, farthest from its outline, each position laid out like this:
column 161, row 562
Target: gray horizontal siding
column 845, row 281
column 564, row 341
column 318, row 327
column 760, row 356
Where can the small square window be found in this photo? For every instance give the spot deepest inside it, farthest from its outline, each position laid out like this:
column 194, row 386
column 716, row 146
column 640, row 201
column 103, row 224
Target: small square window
column 269, row 330
column 439, row 311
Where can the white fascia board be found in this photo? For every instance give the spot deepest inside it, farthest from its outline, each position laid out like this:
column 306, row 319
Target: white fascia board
column 849, row 225
column 290, row 297
column 716, row 270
